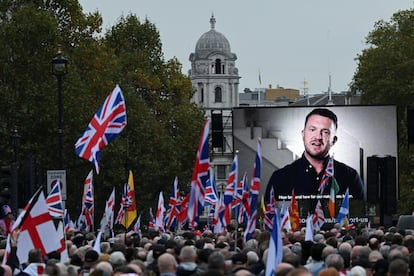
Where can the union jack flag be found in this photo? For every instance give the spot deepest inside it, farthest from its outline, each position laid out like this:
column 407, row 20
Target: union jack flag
column 68, row 223
column 219, row 221
column 86, row 218
column 229, row 193
column 136, row 229
column 211, row 191
column 270, row 211
column 244, row 206
column 151, row 223
column 126, row 202
column 200, row 177
column 54, row 201
column 173, row 211
column 254, row 193
column 182, row 218
column 105, row 126
column 328, row 173
column 318, row 218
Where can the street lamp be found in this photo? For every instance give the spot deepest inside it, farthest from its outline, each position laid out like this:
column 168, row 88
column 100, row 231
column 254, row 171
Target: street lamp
column 59, row 69
column 14, row 189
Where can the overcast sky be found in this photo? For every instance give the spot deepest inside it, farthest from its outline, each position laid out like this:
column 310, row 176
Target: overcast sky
column 288, row 41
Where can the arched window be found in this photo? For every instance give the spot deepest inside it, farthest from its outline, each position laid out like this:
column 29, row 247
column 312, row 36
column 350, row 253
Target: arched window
column 218, row 67
column 218, row 95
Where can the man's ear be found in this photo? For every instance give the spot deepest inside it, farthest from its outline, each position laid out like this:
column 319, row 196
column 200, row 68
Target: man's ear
column 334, row 140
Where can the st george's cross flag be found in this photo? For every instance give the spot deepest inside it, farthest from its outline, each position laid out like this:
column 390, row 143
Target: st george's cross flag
column 104, row 127
column 37, row 229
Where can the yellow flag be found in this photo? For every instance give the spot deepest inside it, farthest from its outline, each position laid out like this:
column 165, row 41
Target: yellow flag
column 131, row 212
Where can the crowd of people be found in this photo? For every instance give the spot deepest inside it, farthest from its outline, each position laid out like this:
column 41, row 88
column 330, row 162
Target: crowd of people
column 337, row 251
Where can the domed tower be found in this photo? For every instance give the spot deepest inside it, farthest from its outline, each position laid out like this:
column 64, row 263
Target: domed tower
column 215, row 80
column 213, row 72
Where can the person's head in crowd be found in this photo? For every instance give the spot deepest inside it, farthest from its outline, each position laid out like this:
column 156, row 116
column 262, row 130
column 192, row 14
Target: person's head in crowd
column 35, row 256
column 361, row 240
column 409, row 243
column 252, row 257
column 385, row 250
column 332, row 241
column 105, row 247
column 51, row 269
column 167, row 263
column 316, row 251
column 171, row 247
column 138, row 270
column 364, row 252
column 374, row 256
column 330, row 271
column 380, row 268
column 292, row 259
column 79, row 240
column 105, row 267
column 397, row 238
column 283, row 269
column 123, row 270
column 335, row 261
column 188, row 254
column 327, row 250
column 374, row 243
column 139, row 263
column 357, row 271
column 54, row 255
column 296, row 249
column 398, row 267
column 157, row 250
column 224, row 248
column 91, row 258
column 238, row 262
column 130, row 254
column 217, row 262
column 394, row 253
column 300, row 271
column 117, row 259
column 319, row 238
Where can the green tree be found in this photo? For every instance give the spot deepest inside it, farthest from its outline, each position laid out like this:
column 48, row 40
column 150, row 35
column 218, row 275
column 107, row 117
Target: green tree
column 385, row 75
column 161, row 137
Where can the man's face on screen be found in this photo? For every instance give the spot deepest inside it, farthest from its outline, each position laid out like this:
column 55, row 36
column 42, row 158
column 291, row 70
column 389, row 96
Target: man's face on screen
column 319, row 135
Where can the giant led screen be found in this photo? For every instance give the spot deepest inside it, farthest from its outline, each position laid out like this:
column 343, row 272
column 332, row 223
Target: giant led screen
column 363, row 132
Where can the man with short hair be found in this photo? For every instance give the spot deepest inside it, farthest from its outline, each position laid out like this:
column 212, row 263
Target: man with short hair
column 187, row 266
column 167, row 265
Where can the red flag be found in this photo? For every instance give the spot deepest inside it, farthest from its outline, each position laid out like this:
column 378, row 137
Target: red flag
column 294, row 213
column 105, row 126
column 182, row 218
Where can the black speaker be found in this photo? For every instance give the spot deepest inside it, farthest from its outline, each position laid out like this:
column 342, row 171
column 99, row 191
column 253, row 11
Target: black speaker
column 373, row 185
column 410, row 125
column 382, row 182
column 217, row 138
column 389, row 184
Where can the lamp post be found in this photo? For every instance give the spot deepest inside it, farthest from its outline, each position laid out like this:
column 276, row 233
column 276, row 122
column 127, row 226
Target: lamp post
column 59, row 69
column 14, row 189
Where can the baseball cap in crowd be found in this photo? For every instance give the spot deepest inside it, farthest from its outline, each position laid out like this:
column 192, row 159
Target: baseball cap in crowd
column 6, row 209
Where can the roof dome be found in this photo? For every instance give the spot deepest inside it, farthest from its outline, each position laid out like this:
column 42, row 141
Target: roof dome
column 212, row 41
